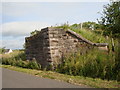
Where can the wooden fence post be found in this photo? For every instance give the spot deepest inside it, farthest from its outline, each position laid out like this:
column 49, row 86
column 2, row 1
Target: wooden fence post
column 113, row 45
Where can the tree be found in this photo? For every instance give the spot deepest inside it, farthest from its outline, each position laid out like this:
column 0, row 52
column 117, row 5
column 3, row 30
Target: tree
column 110, row 19
column 91, row 25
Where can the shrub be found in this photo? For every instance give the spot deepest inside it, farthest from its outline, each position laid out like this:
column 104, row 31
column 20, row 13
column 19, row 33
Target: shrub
column 95, row 64
column 34, row 65
column 17, row 58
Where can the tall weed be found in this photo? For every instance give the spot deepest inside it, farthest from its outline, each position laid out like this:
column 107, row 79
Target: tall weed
column 17, row 58
column 95, row 64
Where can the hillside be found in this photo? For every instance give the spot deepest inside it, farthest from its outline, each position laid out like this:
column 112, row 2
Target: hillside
column 94, row 36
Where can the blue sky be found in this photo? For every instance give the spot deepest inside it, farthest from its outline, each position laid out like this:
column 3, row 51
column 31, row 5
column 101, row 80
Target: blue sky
column 20, row 18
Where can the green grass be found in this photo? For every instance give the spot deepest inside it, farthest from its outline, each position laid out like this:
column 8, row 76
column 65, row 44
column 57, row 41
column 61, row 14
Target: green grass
column 78, row 80
column 17, row 58
column 95, row 36
column 104, row 64
column 94, row 63
column 15, row 55
column 90, row 35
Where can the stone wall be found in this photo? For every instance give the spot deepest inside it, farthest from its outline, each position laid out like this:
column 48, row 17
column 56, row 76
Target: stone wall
column 37, row 47
column 50, row 45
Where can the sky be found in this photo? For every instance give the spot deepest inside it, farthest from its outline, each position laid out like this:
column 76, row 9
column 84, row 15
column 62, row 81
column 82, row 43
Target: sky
column 20, row 18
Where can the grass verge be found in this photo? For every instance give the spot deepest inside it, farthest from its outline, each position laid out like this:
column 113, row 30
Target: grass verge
column 77, row 80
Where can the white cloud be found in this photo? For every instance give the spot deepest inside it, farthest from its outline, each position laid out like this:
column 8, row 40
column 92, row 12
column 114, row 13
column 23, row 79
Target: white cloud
column 13, row 43
column 14, row 33
column 21, row 28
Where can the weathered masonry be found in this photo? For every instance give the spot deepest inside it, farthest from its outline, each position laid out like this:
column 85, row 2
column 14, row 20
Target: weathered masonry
column 50, row 45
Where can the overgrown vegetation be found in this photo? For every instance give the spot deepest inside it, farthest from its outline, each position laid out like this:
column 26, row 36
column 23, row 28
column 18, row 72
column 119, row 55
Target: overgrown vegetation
column 17, row 58
column 95, row 64
column 2, row 50
column 95, row 36
column 34, row 32
column 64, row 26
column 91, row 35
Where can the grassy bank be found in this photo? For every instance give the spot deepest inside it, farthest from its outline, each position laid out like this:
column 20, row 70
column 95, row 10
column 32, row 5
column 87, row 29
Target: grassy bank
column 77, row 80
column 94, row 63
column 93, row 36
column 77, row 67
column 18, row 58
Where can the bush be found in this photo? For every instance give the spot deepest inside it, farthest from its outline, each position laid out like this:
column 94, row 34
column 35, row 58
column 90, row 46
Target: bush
column 34, row 65
column 17, row 58
column 95, row 64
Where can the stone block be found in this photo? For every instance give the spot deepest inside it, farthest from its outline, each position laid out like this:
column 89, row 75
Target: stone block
column 53, row 40
column 52, row 44
column 53, row 32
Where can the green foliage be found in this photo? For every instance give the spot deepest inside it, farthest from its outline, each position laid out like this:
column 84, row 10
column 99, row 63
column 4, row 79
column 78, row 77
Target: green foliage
column 90, row 25
column 110, row 19
column 95, row 63
column 2, row 50
column 34, row 32
column 17, row 58
column 34, row 65
column 64, row 26
column 21, row 56
column 87, row 25
column 91, row 35
column 75, row 26
column 95, row 36
column 117, row 60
